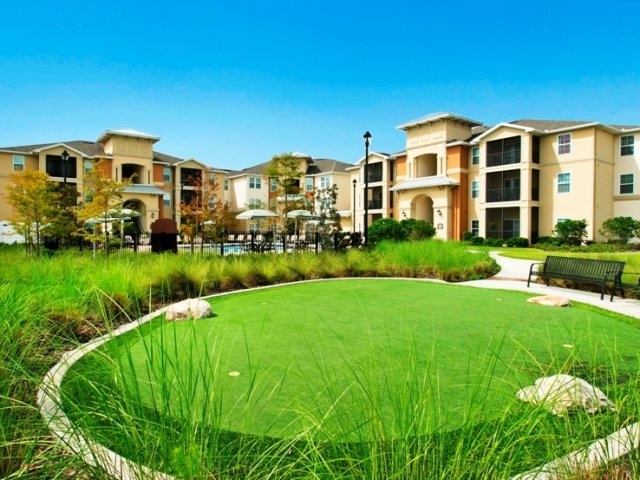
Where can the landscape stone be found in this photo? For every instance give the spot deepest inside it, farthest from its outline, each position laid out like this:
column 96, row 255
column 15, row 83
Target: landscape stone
column 550, row 300
column 562, row 393
column 192, row 308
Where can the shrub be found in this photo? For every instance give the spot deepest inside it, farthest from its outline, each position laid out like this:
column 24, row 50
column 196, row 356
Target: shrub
column 477, row 240
column 494, row 242
column 467, row 236
column 517, row 242
column 620, row 229
column 418, row 229
column 386, row 229
column 571, row 232
column 548, row 241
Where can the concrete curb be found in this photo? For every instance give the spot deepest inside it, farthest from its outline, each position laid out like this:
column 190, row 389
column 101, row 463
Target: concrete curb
column 49, row 401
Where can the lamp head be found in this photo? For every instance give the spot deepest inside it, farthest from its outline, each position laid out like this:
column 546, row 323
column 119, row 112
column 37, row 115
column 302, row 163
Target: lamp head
column 367, row 138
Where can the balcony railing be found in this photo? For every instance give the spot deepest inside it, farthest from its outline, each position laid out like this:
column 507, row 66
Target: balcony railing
column 507, row 157
column 374, row 176
column 503, row 194
column 373, row 204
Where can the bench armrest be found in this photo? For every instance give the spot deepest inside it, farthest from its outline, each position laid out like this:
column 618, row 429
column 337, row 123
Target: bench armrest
column 533, row 271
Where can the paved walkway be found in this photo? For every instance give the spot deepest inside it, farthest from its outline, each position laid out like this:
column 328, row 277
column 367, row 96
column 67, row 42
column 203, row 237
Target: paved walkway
column 513, row 276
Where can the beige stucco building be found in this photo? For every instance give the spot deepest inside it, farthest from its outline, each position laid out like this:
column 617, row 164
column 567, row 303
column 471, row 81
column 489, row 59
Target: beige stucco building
column 515, row 179
column 158, row 181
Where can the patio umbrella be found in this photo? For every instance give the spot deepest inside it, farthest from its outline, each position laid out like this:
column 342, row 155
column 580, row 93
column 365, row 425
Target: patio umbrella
column 255, row 214
column 302, row 215
column 123, row 212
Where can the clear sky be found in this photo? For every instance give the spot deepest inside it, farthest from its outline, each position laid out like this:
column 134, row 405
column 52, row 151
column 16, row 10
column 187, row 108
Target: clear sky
column 233, row 83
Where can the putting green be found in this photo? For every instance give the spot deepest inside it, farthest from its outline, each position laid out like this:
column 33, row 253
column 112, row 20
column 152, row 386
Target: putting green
column 348, row 359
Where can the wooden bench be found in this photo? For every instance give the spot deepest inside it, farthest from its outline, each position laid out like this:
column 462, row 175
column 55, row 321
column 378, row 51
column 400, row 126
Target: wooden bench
column 579, row 270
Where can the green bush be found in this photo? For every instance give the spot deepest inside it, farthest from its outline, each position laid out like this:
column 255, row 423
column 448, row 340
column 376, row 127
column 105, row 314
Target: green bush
column 620, row 229
column 477, row 240
column 571, row 232
column 517, row 242
column 467, row 236
column 418, row 229
column 386, row 229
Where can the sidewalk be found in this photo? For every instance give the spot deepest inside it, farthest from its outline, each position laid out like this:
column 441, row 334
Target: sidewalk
column 513, row 276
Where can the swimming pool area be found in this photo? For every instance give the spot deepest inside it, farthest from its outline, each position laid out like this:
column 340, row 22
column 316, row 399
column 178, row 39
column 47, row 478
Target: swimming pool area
column 234, row 248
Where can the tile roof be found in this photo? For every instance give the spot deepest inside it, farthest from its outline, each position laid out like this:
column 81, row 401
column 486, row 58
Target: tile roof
column 141, row 188
column 86, row 148
column 433, row 117
column 549, row 125
column 315, row 166
column 425, row 182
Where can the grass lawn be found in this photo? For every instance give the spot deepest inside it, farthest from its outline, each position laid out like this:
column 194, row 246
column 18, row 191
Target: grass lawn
column 359, row 359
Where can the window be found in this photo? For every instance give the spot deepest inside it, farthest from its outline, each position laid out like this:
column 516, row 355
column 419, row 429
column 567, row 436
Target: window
column 309, row 183
column 626, row 145
column 166, row 174
column 475, row 227
column 626, row 183
column 475, row 189
column 273, row 184
column 166, row 200
column 325, row 181
column 254, row 203
column 226, row 184
column 564, row 143
column 87, row 166
column 18, row 163
column 475, row 156
column 255, row 182
column 564, row 182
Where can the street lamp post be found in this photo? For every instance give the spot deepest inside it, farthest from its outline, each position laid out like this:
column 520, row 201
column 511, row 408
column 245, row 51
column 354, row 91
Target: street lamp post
column 65, row 157
column 353, row 217
column 367, row 139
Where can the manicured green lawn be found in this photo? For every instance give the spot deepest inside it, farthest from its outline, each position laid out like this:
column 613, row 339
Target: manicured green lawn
column 362, row 358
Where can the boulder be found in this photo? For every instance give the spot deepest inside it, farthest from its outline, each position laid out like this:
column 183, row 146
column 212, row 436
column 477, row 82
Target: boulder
column 191, row 308
column 550, row 300
column 563, row 393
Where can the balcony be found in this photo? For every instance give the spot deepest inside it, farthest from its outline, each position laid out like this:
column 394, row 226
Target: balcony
column 503, row 194
column 497, row 159
column 374, row 172
column 505, row 151
column 374, row 204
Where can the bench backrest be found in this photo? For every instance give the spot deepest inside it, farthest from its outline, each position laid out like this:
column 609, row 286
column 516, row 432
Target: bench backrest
column 584, row 267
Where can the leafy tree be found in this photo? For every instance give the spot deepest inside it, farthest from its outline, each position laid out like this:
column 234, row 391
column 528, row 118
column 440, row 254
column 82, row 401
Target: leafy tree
column 386, row 229
column 285, row 170
column 205, row 213
column 571, row 232
column 326, row 199
column 36, row 205
column 102, row 194
column 418, row 229
column 620, row 229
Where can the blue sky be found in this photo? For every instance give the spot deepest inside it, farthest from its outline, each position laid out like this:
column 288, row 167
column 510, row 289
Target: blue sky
column 234, row 83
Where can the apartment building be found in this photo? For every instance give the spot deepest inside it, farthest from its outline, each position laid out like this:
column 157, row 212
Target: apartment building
column 253, row 188
column 514, row 179
column 159, row 182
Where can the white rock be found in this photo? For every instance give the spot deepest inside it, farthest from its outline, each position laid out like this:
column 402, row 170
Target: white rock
column 550, row 300
column 190, row 308
column 562, row 393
